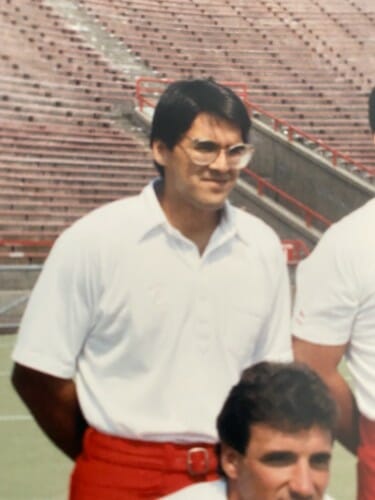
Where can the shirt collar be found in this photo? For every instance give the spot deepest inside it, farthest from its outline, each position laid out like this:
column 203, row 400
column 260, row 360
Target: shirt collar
column 153, row 213
column 155, row 217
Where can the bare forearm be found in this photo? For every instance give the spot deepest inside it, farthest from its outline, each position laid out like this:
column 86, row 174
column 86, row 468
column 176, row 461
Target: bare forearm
column 348, row 428
column 54, row 405
column 325, row 361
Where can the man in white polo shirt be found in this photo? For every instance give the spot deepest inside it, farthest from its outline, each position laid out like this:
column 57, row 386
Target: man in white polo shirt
column 276, row 432
column 148, row 309
column 335, row 317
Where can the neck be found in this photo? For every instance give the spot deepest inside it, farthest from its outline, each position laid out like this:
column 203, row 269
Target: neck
column 232, row 493
column 194, row 223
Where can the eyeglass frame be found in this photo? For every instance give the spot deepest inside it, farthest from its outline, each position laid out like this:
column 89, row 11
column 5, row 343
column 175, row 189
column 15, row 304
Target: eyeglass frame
column 248, row 147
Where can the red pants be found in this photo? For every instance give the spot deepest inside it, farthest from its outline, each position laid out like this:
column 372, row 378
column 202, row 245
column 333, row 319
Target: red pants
column 111, row 468
column 366, row 460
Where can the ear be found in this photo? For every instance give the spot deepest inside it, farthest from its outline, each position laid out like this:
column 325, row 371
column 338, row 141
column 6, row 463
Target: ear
column 159, row 152
column 230, row 460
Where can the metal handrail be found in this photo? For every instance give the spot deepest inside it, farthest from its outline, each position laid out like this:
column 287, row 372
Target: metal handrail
column 141, row 88
column 294, row 134
column 13, row 304
column 5, row 324
column 309, row 215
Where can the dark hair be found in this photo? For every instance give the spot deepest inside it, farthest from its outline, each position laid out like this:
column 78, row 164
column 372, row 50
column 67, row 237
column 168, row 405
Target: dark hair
column 371, row 110
column 183, row 100
column 286, row 396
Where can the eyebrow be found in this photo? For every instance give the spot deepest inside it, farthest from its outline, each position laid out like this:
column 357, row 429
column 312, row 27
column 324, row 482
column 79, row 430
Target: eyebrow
column 204, row 139
column 288, row 456
column 276, row 456
column 323, row 455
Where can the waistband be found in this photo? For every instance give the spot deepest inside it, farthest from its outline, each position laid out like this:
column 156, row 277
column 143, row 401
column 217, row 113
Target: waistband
column 197, row 459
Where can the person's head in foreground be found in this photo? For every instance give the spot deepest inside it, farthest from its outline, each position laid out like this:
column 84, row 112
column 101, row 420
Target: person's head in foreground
column 371, row 111
column 276, row 432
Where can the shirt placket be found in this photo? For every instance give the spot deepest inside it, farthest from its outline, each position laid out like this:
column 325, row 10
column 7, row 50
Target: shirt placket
column 203, row 313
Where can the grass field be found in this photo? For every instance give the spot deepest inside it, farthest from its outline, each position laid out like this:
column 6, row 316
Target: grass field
column 32, row 469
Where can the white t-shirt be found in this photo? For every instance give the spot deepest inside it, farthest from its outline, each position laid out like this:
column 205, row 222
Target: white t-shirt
column 335, row 301
column 214, row 490
column 155, row 334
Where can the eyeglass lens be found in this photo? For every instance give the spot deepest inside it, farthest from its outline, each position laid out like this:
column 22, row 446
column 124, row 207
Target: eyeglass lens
column 204, row 152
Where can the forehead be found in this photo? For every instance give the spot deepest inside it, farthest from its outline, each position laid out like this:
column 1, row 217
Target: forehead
column 212, row 127
column 266, row 439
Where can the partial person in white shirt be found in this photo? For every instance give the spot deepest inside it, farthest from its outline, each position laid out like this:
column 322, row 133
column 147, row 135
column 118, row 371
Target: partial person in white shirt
column 148, row 309
column 334, row 318
column 276, row 432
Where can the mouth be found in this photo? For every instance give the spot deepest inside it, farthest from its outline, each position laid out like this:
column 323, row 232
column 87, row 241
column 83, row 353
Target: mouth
column 219, row 181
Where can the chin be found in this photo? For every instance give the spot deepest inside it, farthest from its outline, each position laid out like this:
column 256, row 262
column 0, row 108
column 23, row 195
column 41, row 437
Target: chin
column 215, row 199
column 211, row 205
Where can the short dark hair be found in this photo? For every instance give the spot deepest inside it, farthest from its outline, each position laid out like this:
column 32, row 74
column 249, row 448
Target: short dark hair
column 286, row 396
column 371, row 110
column 183, row 100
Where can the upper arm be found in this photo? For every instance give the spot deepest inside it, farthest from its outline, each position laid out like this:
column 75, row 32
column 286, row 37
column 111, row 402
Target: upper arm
column 57, row 318
column 327, row 298
column 324, row 359
column 34, row 385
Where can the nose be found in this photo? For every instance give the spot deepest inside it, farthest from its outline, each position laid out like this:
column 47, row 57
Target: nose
column 301, row 483
column 220, row 163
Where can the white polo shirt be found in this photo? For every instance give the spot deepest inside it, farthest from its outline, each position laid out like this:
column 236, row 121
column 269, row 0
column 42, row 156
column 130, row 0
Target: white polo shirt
column 335, row 301
column 213, row 490
column 153, row 333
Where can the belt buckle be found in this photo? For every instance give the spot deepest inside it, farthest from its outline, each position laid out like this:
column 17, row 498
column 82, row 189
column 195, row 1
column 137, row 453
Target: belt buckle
column 197, row 461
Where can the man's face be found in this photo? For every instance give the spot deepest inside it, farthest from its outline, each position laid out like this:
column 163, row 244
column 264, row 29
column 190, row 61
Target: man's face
column 281, row 466
column 203, row 187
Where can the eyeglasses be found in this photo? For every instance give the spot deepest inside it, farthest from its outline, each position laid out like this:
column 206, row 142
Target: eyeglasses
column 203, row 152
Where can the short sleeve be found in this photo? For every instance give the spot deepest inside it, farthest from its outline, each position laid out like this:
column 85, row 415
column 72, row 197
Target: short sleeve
column 327, row 296
column 57, row 317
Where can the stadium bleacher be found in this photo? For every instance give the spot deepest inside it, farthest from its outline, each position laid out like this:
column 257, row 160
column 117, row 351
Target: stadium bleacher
column 70, row 140
column 62, row 152
column 69, row 143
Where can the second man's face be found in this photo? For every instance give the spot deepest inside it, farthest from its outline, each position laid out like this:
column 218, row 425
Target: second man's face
column 283, row 466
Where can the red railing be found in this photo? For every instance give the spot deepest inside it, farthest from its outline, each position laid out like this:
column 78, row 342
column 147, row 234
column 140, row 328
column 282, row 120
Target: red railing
column 309, row 215
column 294, row 250
column 154, row 86
column 148, row 90
column 148, row 96
column 294, row 134
column 29, row 249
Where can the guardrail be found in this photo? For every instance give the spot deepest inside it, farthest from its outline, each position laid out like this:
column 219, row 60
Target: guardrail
column 24, row 249
column 148, row 90
column 12, row 306
column 295, row 134
column 152, row 87
column 310, row 216
column 293, row 249
column 147, row 93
